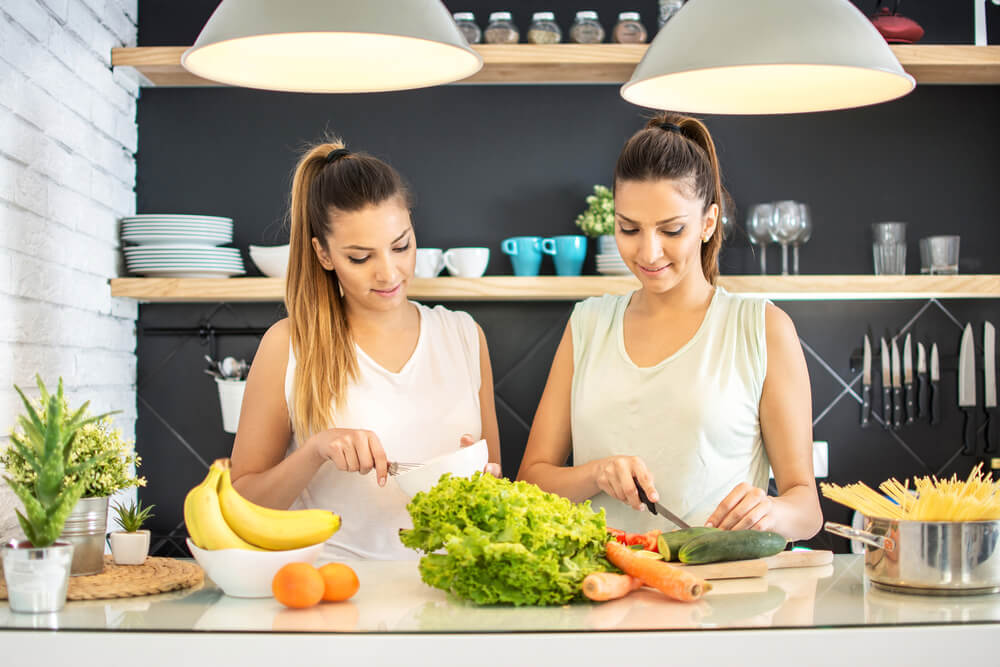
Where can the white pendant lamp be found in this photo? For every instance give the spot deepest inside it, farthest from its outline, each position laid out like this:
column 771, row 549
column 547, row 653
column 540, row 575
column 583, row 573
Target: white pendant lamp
column 331, row 46
column 767, row 57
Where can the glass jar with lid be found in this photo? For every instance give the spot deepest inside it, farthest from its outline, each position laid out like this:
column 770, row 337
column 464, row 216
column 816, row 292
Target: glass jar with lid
column 629, row 30
column 466, row 22
column 586, row 29
column 501, row 29
column 544, row 29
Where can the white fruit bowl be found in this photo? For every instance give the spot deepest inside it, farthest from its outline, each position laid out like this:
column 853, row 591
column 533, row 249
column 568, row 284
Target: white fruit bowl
column 461, row 463
column 247, row 574
column 271, row 260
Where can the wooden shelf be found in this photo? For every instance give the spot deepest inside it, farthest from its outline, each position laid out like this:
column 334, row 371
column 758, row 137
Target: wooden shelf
column 595, row 63
column 551, row 288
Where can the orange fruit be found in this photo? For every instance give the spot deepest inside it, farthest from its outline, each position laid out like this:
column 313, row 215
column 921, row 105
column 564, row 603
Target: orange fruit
column 339, row 582
column 297, row 585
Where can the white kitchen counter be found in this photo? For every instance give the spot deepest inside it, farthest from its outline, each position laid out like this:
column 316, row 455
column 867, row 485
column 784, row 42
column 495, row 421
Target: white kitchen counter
column 816, row 616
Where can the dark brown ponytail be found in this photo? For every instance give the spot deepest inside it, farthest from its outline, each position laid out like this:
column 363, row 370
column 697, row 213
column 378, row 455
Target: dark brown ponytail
column 679, row 148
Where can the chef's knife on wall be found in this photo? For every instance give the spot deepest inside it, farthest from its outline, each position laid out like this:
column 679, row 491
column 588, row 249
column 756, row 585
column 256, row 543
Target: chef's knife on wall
column 967, row 389
column 911, row 408
column 923, row 391
column 989, row 383
column 935, row 385
column 866, row 384
column 897, row 387
column 886, row 386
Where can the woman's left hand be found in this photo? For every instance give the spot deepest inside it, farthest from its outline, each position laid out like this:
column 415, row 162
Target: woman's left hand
column 491, row 468
column 746, row 506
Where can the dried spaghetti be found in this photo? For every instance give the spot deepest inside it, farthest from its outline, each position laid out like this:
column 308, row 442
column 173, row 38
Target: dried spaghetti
column 931, row 499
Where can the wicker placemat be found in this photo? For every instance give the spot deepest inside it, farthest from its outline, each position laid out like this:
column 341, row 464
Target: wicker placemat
column 156, row 575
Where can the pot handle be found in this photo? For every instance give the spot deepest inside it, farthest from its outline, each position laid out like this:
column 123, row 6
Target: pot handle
column 871, row 539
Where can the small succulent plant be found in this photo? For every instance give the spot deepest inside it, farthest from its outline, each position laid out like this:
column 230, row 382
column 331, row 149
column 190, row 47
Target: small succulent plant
column 131, row 516
column 45, row 444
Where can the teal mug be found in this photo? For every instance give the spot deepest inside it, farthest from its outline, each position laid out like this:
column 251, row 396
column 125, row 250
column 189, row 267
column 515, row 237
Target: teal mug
column 525, row 254
column 568, row 253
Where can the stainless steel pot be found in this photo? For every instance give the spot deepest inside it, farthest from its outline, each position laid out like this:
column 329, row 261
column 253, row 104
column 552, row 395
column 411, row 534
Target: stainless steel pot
column 929, row 557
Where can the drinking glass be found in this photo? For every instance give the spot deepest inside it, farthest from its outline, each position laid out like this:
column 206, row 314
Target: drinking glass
column 757, row 229
column 889, row 248
column 939, row 254
column 805, row 233
column 784, row 228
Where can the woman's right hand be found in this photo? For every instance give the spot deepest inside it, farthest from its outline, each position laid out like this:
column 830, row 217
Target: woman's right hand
column 614, row 476
column 352, row 450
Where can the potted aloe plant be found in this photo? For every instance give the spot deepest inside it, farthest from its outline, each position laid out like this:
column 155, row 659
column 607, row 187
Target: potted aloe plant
column 130, row 545
column 36, row 570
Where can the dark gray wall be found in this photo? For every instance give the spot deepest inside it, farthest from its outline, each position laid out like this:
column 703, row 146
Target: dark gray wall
column 487, row 162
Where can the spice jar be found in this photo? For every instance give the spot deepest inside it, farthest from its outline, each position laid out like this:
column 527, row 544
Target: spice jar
column 466, row 22
column 544, row 29
column 501, row 29
column 629, row 30
column 586, row 29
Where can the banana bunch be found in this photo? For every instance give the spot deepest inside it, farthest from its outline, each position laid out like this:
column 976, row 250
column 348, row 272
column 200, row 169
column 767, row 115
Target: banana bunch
column 218, row 517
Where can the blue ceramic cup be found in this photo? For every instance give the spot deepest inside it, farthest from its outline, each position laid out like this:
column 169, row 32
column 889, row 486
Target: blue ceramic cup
column 568, row 253
column 525, row 254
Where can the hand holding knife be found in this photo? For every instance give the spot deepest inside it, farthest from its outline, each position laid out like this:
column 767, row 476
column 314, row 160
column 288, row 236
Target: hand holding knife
column 866, row 384
column 897, row 388
column 886, row 386
column 911, row 408
column 657, row 508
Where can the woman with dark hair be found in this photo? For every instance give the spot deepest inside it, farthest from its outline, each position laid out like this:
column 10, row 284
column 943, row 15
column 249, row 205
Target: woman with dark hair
column 357, row 375
column 679, row 387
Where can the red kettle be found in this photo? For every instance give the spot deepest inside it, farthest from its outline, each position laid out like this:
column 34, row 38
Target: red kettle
column 895, row 28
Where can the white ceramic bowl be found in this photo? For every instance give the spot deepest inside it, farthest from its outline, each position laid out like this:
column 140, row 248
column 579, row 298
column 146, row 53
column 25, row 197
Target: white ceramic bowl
column 247, row 574
column 271, row 260
column 461, row 463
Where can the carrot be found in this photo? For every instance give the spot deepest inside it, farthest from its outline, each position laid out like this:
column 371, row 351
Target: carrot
column 671, row 581
column 602, row 586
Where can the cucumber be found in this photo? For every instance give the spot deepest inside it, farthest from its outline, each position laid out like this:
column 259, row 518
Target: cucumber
column 668, row 544
column 731, row 545
column 649, row 554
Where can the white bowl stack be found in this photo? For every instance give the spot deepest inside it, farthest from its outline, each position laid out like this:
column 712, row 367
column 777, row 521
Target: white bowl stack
column 609, row 262
column 180, row 246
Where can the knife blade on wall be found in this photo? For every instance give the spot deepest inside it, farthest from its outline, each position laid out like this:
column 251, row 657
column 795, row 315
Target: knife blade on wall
column 967, row 389
column 911, row 408
column 866, row 384
column 935, row 385
column 923, row 391
column 897, row 388
column 886, row 386
column 989, row 384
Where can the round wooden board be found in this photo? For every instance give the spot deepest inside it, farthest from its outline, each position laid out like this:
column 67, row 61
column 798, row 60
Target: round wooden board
column 156, row 575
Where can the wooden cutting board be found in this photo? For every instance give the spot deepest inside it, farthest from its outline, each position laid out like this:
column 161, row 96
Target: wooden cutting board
column 758, row 567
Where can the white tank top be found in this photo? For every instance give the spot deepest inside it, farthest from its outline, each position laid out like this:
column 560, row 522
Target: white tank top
column 693, row 418
column 418, row 413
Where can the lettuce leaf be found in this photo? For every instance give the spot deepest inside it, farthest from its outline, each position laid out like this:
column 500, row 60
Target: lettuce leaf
column 505, row 542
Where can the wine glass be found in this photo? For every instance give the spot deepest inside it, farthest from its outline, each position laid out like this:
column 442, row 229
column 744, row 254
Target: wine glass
column 757, row 229
column 784, row 228
column 805, row 233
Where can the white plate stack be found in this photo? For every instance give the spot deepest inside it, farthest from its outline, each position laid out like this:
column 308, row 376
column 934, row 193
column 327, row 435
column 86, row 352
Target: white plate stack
column 180, row 246
column 609, row 262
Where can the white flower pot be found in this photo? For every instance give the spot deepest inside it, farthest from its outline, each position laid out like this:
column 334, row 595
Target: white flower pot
column 36, row 578
column 130, row 548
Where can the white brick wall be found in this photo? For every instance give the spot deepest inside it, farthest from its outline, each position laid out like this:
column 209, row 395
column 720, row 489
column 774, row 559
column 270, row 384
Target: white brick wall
column 67, row 172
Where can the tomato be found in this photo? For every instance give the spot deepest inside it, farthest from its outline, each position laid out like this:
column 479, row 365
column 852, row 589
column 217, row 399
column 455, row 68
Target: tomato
column 646, row 540
column 619, row 535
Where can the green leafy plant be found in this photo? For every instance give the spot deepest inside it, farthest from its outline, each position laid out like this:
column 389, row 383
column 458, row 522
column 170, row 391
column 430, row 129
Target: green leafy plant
column 131, row 516
column 599, row 218
column 45, row 444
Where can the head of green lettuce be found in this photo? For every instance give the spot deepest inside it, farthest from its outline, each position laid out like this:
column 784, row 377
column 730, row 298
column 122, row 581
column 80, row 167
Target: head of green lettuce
column 505, row 542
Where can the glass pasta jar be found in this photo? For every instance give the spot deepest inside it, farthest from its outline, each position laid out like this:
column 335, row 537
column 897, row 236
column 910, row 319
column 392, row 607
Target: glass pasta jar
column 466, row 22
column 586, row 29
column 544, row 29
column 501, row 29
column 629, row 30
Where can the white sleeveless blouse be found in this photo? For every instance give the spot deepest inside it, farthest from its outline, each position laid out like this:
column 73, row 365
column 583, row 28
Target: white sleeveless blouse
column 418, row 413
column 693, row 418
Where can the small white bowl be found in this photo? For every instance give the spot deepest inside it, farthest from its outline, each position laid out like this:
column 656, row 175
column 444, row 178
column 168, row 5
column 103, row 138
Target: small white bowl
column 242, row 573
column 461, row 463
column 271, row 260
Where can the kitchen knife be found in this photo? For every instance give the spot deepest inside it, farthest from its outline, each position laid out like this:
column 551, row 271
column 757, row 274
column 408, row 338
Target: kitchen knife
column 923, row 391
column 886, row 386
column 866, row 384
column 989, row 383
column 657, row 508
column 967, row 389
column 911, row 408
column 935, row 386
column 897, row 387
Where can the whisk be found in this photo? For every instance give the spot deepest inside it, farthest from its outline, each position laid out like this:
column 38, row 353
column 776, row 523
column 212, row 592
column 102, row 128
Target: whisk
column 397, row 467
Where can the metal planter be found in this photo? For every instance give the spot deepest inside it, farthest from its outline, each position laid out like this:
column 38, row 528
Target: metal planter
column 86, row 529
column 36, row 578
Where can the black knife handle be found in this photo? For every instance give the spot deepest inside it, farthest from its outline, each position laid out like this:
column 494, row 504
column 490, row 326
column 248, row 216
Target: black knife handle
column 968, row 433
column 923, row 397
column 987, row 436
column 642, row 496
column 935, row 403
column 866, row 404
column 897, row 407
column 911, row 410
column 887, row 406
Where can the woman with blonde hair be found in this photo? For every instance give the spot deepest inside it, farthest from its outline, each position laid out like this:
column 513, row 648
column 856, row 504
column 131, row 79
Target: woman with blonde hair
column 679, row 387
column 357, row 375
